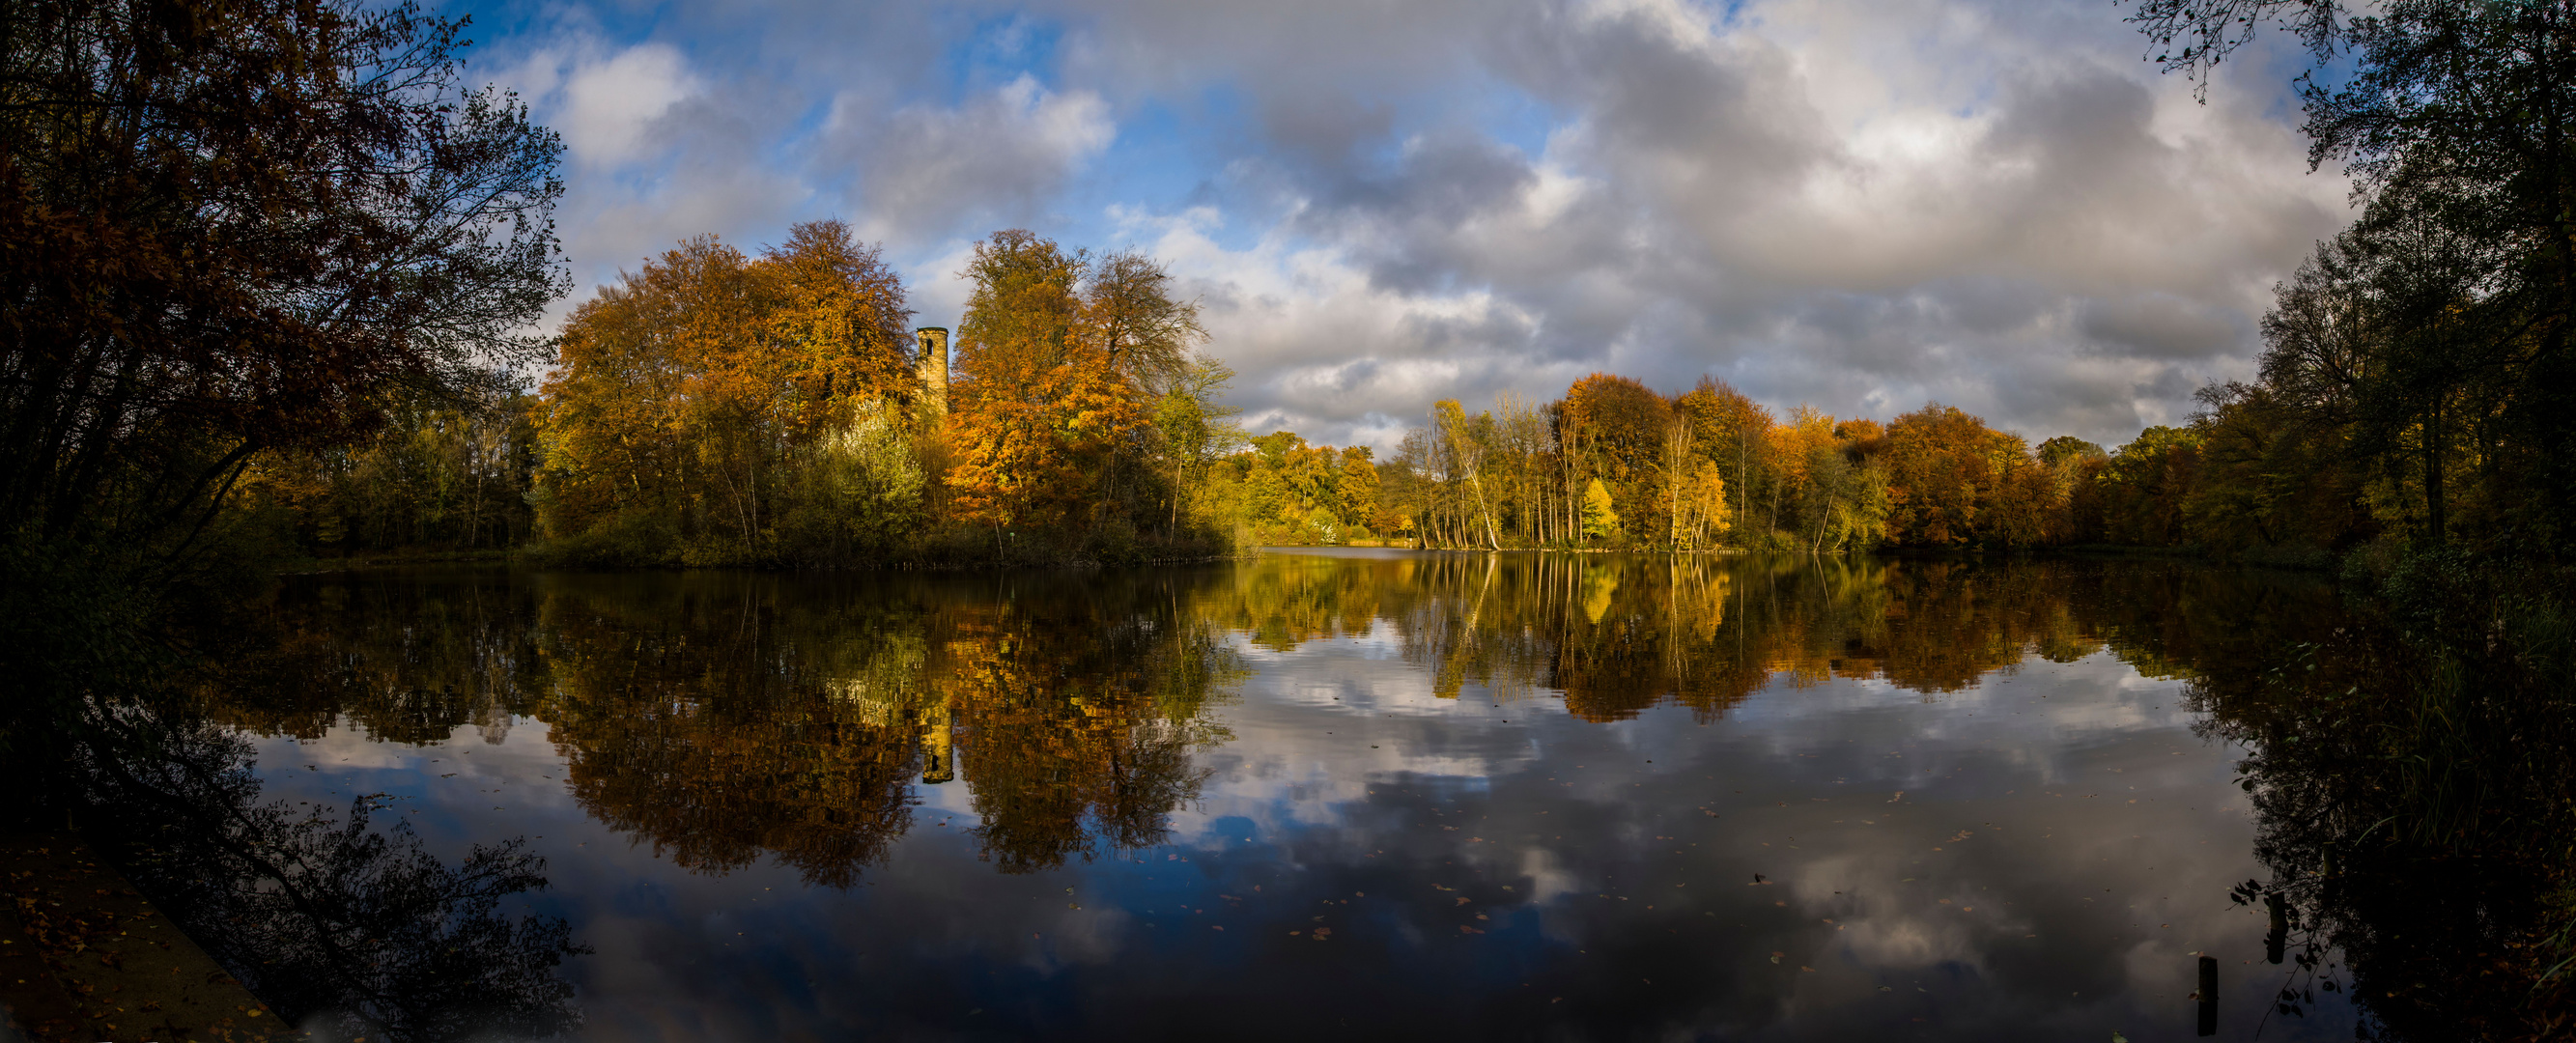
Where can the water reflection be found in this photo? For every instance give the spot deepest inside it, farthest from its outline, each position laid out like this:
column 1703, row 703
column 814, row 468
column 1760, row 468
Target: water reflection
column 1442, row 794
column 348, row 930
column 722, row 717
column 2430, row 934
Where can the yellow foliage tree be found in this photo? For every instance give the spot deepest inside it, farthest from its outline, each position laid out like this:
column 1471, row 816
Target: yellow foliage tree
column 1699, row 507
column 1599, row 519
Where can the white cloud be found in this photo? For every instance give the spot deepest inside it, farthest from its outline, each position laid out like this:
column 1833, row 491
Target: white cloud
column 604, row 101
column 609, row 107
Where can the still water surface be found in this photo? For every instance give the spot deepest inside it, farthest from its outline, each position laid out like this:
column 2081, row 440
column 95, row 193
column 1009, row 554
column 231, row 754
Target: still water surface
column 1331, row 794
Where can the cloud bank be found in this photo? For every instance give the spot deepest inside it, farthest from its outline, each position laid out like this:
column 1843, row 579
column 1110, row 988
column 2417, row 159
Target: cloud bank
column 1855, row 205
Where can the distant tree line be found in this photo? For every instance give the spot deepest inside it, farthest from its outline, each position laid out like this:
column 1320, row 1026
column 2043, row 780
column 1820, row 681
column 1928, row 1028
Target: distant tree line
column 1614, row 464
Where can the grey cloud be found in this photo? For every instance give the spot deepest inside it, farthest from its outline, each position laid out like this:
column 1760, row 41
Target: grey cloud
column 1325, row 129
column 1728, row 127
column 2161, row 326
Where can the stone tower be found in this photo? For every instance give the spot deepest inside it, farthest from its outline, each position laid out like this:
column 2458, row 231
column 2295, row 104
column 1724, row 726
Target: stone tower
column 933, row 369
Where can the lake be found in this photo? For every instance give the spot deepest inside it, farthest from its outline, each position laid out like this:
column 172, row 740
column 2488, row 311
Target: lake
column 1325, row 794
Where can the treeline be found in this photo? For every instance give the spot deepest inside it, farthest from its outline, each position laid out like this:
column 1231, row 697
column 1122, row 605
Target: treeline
column 2414, row 391
column 2343, row 441
column 1613, row 464
column 724, row 409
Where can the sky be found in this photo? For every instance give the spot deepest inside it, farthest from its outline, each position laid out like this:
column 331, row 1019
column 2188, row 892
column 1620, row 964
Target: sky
column 1854, row 205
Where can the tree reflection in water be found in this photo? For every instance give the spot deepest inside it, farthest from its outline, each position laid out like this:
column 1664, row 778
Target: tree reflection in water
column 723, row 718
column 2416, row 793
column 342, row 928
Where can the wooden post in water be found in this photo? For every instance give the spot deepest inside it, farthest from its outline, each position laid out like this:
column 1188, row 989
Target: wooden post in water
column 2208, row 995
column 2276, row 940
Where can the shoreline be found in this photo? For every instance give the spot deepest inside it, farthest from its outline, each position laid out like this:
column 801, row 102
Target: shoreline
column 84, row 956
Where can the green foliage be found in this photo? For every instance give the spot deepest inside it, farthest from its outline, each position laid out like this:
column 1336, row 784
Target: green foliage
column 1280, row 491
column 2064, row 450
column 859, row 496
column 438, row 475
column 1195, row 429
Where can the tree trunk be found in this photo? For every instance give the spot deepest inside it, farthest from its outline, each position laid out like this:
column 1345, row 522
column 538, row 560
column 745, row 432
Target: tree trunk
column 1491, row 539
column 2433, row 506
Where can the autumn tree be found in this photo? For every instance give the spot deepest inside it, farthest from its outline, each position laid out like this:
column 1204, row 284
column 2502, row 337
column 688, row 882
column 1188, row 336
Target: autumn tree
column 719, row 408
column 1463, row 444
column 1700, row 513
column 1732, row 432
column 1196, row 428
column 1849, row 504
column 1129, row 311
column 1039, row 409
column 1953, row 481
column 1523, row 460
column 1356, row 486
column 1600, row 513
column 1620, row 428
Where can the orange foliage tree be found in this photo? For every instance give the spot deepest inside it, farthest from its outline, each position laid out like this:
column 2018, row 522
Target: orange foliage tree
column 1953, row 481
column 1039, row 407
